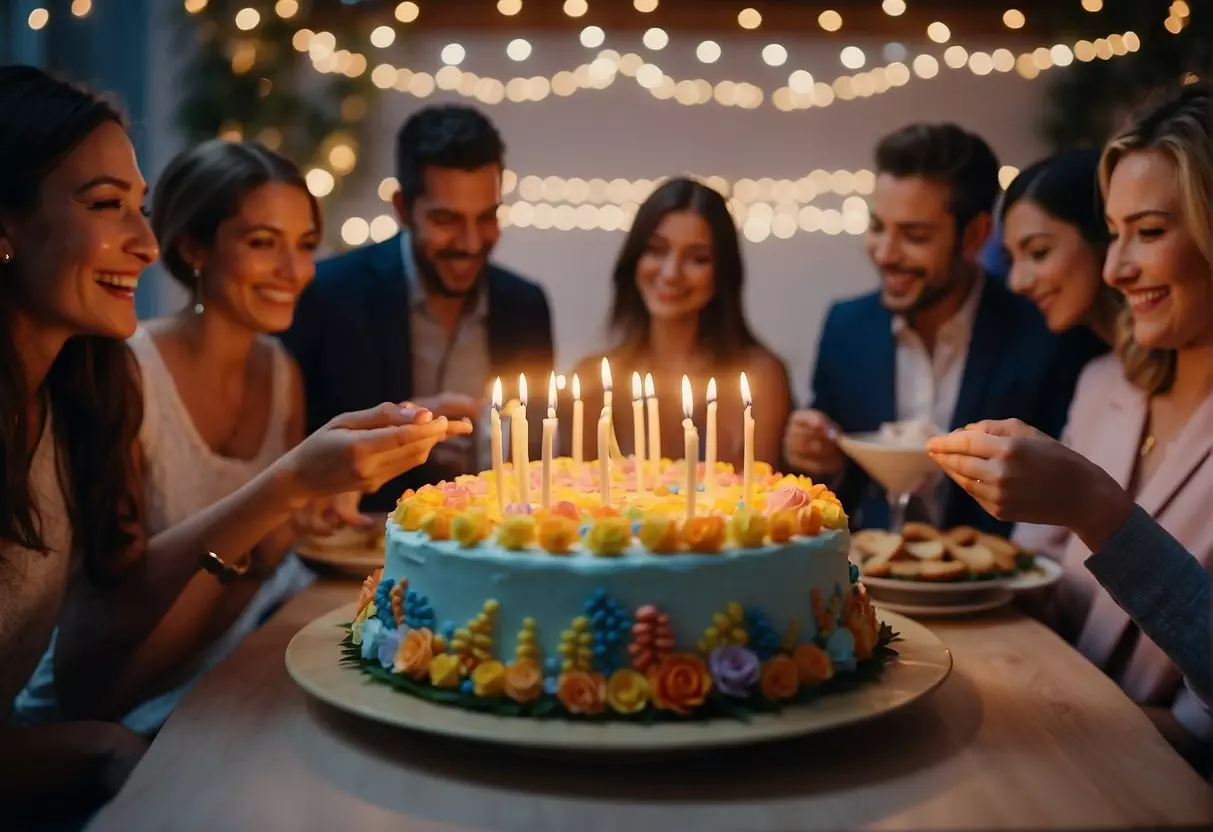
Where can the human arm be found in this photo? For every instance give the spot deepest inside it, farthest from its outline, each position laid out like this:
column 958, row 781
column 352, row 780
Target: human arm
column 66, row 757
column 94, row 664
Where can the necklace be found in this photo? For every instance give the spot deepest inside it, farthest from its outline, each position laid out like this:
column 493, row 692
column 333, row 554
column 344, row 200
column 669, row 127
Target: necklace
column 1147, row 446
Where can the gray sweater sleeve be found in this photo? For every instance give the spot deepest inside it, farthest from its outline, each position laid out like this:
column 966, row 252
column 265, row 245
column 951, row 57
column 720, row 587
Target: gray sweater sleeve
column 1165, row 592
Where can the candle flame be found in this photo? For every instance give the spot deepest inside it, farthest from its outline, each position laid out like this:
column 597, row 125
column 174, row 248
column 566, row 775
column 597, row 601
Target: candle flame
column 636, row 386
column 552, row 396
column 649, row 391
column 688, row 404
column 606, row 374
column 522, row 389
column 711, row 390
column 497, row 394
column 745, row 391
column 576, row 388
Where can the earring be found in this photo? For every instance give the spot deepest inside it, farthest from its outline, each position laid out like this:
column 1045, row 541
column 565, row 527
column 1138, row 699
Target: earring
column 198, row 307
column 5, row 256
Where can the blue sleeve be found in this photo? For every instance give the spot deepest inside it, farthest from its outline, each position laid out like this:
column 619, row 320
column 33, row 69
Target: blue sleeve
column 1163, row 588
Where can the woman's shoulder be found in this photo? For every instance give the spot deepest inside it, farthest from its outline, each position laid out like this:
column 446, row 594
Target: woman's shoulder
column 761, row 362
column 1100, row 376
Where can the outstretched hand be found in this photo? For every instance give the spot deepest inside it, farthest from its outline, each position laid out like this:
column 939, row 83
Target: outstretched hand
column 1018, row 474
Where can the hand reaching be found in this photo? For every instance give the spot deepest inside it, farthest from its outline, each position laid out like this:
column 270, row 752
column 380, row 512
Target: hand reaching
column 811, row 443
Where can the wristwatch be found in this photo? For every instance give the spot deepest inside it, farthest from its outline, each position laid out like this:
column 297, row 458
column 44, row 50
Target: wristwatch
column 224, row 571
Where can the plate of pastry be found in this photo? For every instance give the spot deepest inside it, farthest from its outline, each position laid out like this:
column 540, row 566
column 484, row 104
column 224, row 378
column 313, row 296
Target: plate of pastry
column 955, row 566
column 347, row 550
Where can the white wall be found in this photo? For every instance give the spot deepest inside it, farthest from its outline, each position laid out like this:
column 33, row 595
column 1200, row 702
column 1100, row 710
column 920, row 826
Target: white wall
column 624, row 132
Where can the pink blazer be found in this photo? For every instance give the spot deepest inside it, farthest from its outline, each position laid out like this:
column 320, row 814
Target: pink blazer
column 1107, row 419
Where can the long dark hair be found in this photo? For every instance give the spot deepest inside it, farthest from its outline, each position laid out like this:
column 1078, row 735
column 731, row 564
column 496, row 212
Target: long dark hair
column 1066, row 187
column 203, row 186
column 91, row 388
column 723, row 331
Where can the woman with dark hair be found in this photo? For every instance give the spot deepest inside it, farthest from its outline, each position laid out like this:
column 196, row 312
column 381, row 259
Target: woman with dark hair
column 222, row 399
column 678, row 311
column 74, row 549
column 1056, row 239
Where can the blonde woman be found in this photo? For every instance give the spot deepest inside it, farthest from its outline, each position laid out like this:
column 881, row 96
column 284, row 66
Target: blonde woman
column 1130, row 493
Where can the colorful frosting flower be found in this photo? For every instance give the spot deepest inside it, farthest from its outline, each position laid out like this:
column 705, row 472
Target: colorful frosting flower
column 367, row 614
column 734, row 669
column 415, row 653
column 659, row 533
column 444, row 670
column 784, row 524
column 370, row 634
column 456, row 496
column 811, row 520
column 841, row 647
column 437, row 524
column 430, row 495
column 367, row 593
column 787, row 499
column 523, row 680
column 704, row 535
column 517, row 531
column 832, row 515
column 558, row 534
column 581, row 692
column 863, row 627
column 517, row 508
column 609, row 536
column 409, row 514
column 470, row 527
column 748, row 528
column 679, row 683
column 488, row 679
column 780, row 679
column 389, row 643
column 813, row 665
column 627, row 691
column 565, row 508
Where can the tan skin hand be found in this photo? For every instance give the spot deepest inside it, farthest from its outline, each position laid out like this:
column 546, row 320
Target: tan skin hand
column 811, row 443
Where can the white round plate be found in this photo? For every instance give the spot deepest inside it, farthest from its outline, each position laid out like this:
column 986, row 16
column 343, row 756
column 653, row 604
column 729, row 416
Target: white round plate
column 313, row 661
column 1044, row 573
column 347, row 550
column 996, row 599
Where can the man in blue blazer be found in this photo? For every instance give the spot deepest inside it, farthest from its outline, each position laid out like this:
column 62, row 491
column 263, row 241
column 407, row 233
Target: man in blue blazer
column 939, row 342
column 424, row 316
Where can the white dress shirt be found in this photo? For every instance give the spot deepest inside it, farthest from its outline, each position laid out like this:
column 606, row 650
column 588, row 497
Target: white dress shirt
column 927, row 383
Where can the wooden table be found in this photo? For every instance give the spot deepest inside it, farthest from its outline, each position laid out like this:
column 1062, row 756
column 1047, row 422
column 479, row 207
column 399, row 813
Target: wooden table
column 1023, row 735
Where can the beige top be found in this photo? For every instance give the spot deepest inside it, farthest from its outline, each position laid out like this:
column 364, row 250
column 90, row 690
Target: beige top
column 32, row 583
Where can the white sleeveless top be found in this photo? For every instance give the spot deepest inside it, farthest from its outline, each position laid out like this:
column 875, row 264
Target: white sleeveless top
column 32, row 583
column 182, row 476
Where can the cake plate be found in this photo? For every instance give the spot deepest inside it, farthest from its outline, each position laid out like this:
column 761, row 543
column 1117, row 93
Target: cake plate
column 313, row 659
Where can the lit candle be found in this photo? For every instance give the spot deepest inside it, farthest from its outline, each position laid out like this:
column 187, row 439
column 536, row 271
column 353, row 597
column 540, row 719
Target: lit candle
column 604, row 456
column 606, row 384
column 608, row 398
column 495, row 440
column 709, row 457
column 522, row 451
column 578, row 420
column 747, row 476
column 549, row 436
column 638, row 431
column 650, row 395
column 690, row 445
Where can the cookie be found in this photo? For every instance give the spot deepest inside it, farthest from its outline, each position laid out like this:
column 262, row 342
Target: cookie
column 915, row 532
column 925, row 549
column 877, row 545
column 964, row 545
column 942, row 570
column 1005, row 551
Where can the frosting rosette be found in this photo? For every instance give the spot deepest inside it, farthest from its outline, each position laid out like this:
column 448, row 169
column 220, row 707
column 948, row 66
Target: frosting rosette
column 409, row 513
column 566, row 508
column 813, row 665
column 470, row 527
column 679, row 682
column 523, row 680
column 748, row 529
column 734, row 669
column 488, row 679
column 369, row 585
column 582, row 692
column 788, row 498
column 780, row 679
column 832, row 515
column 627, row 691
column 455, row 495
column 784, row 525
column 558, row 534
column 444, row 670
column 437, row 523
column 517, row 531
column 609, row 536
column 705, row 535
column 659, row 533
column 415, row 653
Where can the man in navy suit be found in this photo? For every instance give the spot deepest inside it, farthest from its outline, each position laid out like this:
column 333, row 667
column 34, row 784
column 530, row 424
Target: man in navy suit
column 424, row 316
column 939, row 342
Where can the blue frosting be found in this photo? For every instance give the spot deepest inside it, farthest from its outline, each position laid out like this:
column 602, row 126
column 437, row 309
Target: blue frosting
column 841, row 647
column 774, row 579
column 372, row 632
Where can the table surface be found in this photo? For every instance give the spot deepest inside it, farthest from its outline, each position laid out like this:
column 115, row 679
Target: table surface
column 1024, row 734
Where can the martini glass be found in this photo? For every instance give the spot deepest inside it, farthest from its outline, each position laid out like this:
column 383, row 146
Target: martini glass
column 901, row 469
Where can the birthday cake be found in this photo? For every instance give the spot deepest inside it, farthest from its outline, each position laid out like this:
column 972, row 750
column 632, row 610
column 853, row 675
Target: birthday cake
column 643, row 606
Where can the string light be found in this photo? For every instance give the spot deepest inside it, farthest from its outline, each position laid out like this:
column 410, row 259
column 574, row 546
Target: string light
column 81, row 8
column 576, row 8
column 592, row 37
column 383, row 37
column 655, row 39
column 939, row 32
column 286, row 9
column 708, row 52
column 1092, row 5
column 773, row 54
column 645, row 6
column 509, row 8
column 194, row 6
column 518, row 49
column 830, row 20
column 407, row 11
column 749, row 18
column 453, row 54
column 852, row 57
column 38, row 18
column 1013, row 19
column 893, row 8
